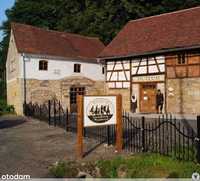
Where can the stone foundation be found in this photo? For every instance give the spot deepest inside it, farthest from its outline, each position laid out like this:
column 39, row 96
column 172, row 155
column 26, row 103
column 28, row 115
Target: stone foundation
column 183, row 95
column 40, row 91
column 15, row 95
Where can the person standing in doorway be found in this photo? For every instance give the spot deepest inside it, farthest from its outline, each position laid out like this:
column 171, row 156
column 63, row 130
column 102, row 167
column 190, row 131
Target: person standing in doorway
column 133, row 103
column 159, row 101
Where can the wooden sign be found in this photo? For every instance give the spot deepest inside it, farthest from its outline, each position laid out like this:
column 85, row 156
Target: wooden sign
column 149, row 78
column 99, row 111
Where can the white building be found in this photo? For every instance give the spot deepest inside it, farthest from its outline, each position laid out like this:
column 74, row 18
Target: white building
column 43, row 65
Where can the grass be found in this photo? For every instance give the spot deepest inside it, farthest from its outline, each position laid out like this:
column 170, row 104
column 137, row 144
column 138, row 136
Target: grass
column 63, row 169
column 148, row 166
column 137, row 166
column 58, row 170
column 184, row 152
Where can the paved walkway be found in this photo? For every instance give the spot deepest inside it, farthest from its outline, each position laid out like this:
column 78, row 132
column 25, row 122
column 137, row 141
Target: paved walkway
column 30, row 147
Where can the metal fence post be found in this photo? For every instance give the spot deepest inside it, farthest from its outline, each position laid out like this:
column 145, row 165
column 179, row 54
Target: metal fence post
column 143, row 134
column 59, row 114
column 49, row 109
column 40, row 110
column 108, row 135
column 198, row 139
column 67, row 120
column 54, row 111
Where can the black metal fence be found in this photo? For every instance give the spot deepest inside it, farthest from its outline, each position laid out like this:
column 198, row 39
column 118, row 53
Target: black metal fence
column 165, row 135
column 54, row 114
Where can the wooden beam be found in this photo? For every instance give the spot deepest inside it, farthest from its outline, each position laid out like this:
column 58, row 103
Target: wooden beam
column 119, row 142
column 80, row 127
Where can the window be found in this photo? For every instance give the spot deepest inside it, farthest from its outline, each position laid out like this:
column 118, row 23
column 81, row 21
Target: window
column 181, row 59
column 43, row 65
column 103, row 70
column 77, row 68
column 74, row 91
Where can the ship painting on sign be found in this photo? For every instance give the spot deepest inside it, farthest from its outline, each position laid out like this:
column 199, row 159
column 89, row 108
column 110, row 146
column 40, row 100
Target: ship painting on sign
column 100, row 113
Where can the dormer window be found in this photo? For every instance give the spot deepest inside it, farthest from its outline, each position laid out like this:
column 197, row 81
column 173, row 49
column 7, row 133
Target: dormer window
column 77, row 68
column 43, row 65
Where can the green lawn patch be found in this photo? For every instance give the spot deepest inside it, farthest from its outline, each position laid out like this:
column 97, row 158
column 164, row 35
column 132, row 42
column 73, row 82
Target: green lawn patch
column 147, row 166
column 137, row 166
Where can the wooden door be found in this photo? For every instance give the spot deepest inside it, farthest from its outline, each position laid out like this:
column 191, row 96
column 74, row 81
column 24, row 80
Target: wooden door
column 148, row 98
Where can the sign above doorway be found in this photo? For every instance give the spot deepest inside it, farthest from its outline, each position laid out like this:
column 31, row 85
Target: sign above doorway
column 149, row 78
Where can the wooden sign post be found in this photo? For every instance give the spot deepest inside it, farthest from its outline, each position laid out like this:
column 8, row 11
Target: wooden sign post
column 85, row 119
column 119, row 130
column 80, row 126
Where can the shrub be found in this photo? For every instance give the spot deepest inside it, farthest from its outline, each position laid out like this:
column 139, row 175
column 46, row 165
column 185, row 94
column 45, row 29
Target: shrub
column 5, row 109
column 58, row 170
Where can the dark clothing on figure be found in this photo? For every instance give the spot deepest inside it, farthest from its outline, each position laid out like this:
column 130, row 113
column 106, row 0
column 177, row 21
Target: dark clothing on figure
column 134, row 106
column 133, row 103
column 159, row 102
column 159, row 99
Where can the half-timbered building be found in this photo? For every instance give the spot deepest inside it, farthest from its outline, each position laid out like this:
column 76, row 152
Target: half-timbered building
column 157, row 53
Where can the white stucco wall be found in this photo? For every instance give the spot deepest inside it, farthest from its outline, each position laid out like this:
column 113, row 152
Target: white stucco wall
column 64, row 67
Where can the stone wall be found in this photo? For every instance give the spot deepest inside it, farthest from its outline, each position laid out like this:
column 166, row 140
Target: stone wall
column 15, row 96
column 39, row 91
column 183, row 95
column 125, row 96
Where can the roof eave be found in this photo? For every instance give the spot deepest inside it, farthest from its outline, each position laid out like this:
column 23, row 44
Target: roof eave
column 84, row 59
column 157, row 52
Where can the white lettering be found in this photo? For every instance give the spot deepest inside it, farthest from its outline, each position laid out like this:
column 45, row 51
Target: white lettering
column 149, row 78
column 15, row 177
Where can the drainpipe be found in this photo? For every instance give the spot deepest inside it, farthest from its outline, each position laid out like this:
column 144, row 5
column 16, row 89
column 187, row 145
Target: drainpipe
column 24, row 77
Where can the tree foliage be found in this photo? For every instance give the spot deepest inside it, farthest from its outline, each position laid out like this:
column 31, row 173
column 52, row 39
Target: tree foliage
column 102, row 18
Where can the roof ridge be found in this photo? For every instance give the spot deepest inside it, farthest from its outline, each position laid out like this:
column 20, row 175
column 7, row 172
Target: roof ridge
column 164, row 14
column 56, row 31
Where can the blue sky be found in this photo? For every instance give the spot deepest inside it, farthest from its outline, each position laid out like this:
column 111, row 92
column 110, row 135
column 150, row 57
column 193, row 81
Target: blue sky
column 4, row 4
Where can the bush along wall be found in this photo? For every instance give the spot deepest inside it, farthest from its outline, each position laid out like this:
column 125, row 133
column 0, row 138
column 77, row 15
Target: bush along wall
column 6, row 109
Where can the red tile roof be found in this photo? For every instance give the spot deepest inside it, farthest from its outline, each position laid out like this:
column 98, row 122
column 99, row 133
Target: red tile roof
column 33, row 40
column 180, row 29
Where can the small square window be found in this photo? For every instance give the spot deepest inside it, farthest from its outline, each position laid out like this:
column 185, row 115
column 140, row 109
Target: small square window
column 103, row 70
column 77, row 68
column 43, row 65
